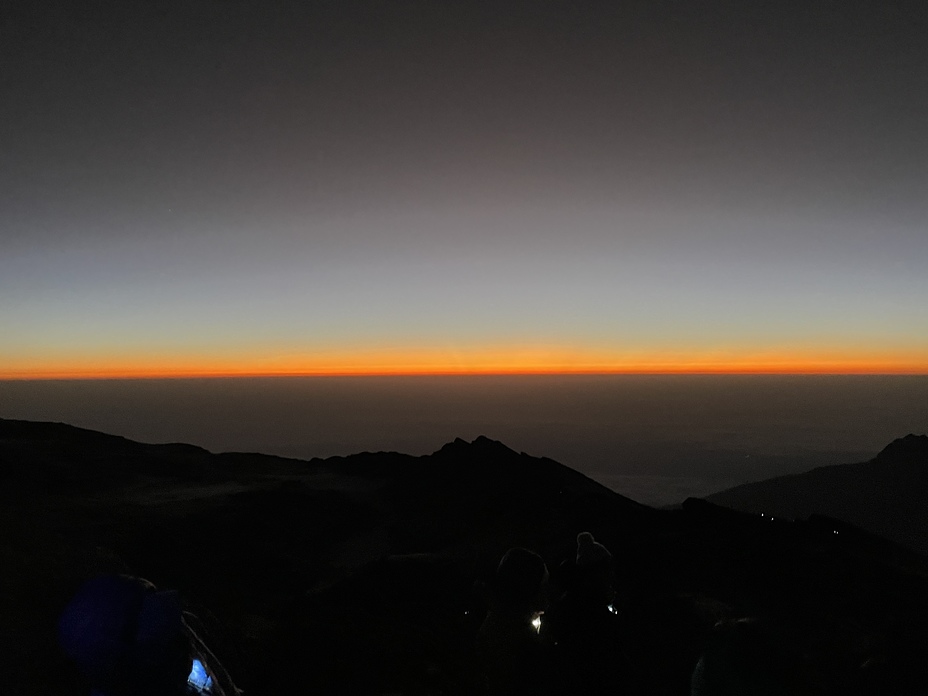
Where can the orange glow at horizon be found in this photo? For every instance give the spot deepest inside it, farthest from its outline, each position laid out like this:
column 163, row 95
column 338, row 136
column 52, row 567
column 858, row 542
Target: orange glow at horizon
column 476, row 362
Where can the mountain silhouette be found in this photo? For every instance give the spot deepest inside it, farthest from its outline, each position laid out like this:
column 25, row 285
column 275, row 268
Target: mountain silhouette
column 884, row 496
column 363, row 573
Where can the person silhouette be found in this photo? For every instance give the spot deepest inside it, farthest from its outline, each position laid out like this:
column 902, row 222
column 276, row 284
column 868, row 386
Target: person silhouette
column 129, row 639
column 583, row 626
column 513, row 657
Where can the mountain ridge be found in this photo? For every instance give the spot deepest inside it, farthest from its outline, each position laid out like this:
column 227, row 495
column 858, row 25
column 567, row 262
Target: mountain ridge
column 884, row 495
column 377, row 559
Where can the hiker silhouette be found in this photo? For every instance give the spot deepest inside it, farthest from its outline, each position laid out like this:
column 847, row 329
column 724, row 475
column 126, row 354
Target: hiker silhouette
column 513, row 657
column 129, row 639
column 583, row 626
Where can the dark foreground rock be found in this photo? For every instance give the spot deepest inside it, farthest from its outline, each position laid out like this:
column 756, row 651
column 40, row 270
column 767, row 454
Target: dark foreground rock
column 361, row 574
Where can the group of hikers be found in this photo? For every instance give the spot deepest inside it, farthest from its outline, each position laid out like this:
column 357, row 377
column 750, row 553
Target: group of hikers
column 571, row 636
column 534, row 643
column 540, row 636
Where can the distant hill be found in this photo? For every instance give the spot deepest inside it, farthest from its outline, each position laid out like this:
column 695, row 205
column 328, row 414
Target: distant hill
column 363, row 573
column 887, row 495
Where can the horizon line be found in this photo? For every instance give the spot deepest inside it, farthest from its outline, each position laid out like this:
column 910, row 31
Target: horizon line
column 101, row 375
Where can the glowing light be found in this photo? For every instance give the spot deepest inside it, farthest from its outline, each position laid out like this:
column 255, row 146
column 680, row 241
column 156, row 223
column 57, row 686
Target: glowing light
column 199, row 679
column 536, row 624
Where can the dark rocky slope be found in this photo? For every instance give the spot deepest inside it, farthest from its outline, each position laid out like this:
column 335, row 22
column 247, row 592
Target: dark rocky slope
column 357, row 574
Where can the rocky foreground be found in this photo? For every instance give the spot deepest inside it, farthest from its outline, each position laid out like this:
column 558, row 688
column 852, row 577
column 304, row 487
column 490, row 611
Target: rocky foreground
column 362, row 574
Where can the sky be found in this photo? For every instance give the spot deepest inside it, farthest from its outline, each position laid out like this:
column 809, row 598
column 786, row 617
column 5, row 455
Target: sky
column 225, row 188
